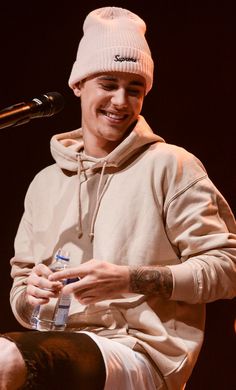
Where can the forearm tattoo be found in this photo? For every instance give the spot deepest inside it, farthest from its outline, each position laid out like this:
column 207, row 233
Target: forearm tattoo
column 151, row 280
column 23, row 308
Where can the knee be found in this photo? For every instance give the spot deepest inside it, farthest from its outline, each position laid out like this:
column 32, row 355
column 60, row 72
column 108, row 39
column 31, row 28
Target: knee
column 12, row 366
column 8, row 353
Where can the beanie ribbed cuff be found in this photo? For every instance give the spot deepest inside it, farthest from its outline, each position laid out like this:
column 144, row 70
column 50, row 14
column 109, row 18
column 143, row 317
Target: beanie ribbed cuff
column 115, row 59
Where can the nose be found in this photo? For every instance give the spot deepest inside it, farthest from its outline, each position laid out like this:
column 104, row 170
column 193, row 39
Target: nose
column 119, row 98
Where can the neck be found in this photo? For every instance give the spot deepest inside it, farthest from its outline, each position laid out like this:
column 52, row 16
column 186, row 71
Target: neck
column 98, row 148
column 98, row 152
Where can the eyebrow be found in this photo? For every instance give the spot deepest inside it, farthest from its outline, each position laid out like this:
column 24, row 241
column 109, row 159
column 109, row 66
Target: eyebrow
column 113, row 78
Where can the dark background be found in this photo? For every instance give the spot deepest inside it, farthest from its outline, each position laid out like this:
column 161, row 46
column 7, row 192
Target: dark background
column 191, row 105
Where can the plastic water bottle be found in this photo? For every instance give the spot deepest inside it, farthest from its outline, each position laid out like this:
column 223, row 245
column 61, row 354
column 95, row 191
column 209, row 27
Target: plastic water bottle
column 62, row 310
column 44, row 317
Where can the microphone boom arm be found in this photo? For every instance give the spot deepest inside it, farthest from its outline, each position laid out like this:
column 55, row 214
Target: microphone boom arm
column 15, row 115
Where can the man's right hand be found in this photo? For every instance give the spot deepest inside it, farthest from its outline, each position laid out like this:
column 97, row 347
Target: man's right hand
column 39, row 289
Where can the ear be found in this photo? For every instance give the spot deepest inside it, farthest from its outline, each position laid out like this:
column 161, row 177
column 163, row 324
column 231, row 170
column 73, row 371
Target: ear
column 77, row 89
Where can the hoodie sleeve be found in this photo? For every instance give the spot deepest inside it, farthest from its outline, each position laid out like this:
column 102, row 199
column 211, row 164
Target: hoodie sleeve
column 23, row 260
column 201, row 225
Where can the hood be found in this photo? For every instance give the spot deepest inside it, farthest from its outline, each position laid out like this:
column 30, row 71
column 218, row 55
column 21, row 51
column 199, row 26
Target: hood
column 68, row 151
column 65, row 147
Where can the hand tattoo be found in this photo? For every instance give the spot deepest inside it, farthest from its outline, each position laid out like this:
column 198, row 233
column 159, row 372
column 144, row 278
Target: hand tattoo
column 151, row 280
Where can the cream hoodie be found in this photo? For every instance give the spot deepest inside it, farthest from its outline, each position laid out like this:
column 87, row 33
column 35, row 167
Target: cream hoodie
column 146, row 203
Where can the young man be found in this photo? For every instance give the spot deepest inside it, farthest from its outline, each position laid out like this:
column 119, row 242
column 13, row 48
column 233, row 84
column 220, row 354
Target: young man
column 150, row 237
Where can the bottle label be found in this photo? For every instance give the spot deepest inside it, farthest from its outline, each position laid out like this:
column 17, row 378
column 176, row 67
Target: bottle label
column 62, row 311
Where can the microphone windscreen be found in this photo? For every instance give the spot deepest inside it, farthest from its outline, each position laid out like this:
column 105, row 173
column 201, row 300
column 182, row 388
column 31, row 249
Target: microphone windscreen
column 48, row 104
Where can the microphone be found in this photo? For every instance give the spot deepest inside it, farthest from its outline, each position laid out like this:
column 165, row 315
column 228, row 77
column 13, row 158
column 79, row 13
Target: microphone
column 43, row 106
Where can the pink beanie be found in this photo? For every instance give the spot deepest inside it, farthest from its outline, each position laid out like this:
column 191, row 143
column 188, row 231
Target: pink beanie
column 113, row 40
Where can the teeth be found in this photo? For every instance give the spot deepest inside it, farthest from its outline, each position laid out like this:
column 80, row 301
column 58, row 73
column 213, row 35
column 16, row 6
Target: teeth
column 115, row 116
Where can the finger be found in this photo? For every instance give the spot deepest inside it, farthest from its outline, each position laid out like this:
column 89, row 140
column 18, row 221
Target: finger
column 43, row 283
column 37, row 301
column 46, row 285
column 82, row 270
column 89, row 297
column 88, row 300
column 72, row 287
column 42, row 270
column 68, row 273
column 41, row 293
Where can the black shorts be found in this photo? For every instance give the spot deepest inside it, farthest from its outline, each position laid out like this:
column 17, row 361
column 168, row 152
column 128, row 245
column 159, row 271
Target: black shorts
column 60, row 360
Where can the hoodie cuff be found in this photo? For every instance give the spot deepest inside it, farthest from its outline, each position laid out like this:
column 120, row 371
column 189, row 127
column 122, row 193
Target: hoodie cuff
column 184, row 284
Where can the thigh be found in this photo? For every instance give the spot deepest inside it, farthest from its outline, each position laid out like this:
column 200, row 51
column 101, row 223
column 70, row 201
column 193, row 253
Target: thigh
column 59, row 360
column 127, row 369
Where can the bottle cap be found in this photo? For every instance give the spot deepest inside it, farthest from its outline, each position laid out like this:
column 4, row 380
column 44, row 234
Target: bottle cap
column 63, row 255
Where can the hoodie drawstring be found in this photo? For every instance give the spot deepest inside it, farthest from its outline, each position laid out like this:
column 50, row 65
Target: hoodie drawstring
column 80, row 169
column 99, row 194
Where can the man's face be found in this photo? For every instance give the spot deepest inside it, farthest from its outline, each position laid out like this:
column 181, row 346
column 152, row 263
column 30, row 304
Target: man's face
column 111, row 103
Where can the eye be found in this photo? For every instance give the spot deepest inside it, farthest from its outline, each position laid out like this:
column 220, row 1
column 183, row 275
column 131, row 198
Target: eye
column 135, row 92
column 108, row 86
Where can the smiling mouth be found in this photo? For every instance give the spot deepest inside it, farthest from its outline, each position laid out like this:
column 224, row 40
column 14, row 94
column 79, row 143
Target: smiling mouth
column 114, row 116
